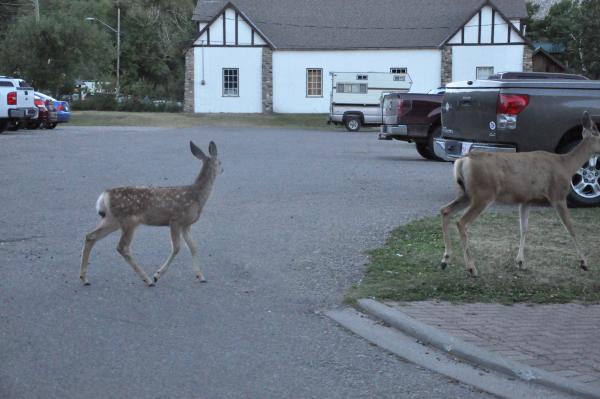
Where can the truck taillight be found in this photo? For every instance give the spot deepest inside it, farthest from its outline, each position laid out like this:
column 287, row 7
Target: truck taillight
column 11, row 98
column 507, row 109
column 511, row 104
column 403, row 108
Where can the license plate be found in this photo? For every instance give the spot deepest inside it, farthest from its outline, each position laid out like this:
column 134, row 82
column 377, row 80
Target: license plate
column 16, row 113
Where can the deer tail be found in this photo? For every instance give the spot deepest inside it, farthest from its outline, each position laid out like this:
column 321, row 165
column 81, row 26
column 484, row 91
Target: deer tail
column 459, row 174
column 102, row 204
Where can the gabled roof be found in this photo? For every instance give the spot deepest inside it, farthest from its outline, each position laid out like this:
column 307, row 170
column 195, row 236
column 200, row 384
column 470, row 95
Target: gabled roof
column 357, row 24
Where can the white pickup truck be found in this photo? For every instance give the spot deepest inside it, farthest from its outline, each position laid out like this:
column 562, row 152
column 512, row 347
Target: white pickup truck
column 16, row 102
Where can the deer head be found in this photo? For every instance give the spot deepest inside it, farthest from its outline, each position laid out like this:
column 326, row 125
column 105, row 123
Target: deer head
column 212, row 163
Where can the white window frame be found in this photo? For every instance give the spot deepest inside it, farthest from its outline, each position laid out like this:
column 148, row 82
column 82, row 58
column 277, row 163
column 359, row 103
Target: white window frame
column 236, row 88
column 481, row 69
column 310, row 85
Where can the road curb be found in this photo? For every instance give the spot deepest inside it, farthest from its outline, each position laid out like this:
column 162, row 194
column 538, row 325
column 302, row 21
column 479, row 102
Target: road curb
column 471, row 353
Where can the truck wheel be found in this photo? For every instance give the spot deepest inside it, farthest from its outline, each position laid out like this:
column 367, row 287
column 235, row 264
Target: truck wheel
column 352, row 123
column 435, row 133
column 585, row 184
column 423, row 150
column 3, row 125
column 51, row 125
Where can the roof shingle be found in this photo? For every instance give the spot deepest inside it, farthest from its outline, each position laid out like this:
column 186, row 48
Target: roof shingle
column 357, row 24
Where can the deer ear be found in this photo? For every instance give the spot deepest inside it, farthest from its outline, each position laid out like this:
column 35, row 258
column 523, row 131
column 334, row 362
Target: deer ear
column 197, row 152
column 212, row 149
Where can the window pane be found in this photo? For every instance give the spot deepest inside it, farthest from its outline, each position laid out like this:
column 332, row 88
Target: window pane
column 230, row 82
column 314, row 82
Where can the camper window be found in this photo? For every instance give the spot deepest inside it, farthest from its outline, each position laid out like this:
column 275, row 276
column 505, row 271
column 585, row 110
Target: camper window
column 360, row 88
column 399, row 71
column 314, row 82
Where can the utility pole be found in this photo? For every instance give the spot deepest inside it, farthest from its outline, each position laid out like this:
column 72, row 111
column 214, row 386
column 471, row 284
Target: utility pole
column 36, row 6
column 118, row 88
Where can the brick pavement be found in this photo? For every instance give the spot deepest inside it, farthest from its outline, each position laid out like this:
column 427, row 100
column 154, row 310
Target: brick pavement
column 560, row 338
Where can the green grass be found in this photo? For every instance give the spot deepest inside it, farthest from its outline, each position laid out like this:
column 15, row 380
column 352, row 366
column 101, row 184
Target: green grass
column 407, row 268
column 165, row 119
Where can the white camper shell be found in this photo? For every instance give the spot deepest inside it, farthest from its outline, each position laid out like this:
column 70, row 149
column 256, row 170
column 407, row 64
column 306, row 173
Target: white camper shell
column 356, row 96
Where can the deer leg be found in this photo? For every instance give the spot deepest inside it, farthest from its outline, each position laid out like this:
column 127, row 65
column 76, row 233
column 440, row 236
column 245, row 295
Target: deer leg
column 524, row 224
column 175, row 245
column 123, row 249
column 447, row 212
column 104, row 228
column 471, row 214
column 192, row 247
column 563, row 213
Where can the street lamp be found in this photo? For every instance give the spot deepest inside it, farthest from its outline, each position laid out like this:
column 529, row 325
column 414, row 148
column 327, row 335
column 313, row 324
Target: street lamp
column 118, row 32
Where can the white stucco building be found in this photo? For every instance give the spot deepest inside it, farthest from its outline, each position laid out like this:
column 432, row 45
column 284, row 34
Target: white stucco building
column 254, row 56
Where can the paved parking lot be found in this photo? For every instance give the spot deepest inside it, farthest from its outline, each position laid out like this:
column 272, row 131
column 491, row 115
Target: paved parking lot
column 282, row 237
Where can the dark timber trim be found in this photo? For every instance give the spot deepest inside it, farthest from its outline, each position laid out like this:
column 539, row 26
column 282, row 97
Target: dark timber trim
column 225, row 27
column 236, row 28
column 479, row 28
column 493, row 22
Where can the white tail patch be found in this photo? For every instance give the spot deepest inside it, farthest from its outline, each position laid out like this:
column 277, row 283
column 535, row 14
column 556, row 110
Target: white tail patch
column 102, row 204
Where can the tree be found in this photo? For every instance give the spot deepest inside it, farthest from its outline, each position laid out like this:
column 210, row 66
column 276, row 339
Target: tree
column 572, row 25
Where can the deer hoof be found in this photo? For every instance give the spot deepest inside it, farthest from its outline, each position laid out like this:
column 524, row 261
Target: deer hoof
column 201, row 279
column 151, row 284
column 155, row 278
column 583, row 266
column 520, row 264
column 443, row 265
column 473, row 272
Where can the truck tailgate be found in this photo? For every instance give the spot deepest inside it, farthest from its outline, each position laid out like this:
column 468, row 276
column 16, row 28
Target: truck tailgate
column 25, row 97
column 469, row 113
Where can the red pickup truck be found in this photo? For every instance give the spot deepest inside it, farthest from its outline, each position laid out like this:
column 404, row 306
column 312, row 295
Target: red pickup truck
column 415, row 118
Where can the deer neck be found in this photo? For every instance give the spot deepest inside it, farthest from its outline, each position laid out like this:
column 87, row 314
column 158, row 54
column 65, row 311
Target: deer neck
column 578, row 156
column 205, row 178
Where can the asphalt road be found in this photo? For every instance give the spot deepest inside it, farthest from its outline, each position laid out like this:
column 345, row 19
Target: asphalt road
column 281, row 238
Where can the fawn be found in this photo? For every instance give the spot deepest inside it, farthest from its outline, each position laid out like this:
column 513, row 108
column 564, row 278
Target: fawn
column 177, row 207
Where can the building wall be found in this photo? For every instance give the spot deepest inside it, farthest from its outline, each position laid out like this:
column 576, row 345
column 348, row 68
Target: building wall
column 289, row 73
column 465, row 59
column 209, row 63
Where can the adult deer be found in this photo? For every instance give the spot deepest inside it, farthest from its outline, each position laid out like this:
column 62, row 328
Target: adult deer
column 519, row 178
column 177, row 207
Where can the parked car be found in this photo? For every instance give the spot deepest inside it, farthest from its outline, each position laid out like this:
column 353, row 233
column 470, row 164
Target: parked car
column 47, row 117
column 413, row 117
column 516, row 112
column 62, row 108
column 16, row 103
column 356, row 96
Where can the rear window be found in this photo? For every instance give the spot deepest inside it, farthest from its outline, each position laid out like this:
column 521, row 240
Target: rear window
column 6, row 84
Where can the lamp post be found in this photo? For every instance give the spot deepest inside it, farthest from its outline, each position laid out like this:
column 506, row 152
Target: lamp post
column 118, row 32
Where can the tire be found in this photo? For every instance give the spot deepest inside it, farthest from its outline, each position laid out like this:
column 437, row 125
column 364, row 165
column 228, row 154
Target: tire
column 353, row 123
column 51, row 125
column 585, row 185
column 33, row 125
column 3, row 125
column 423, row 150
column 435, row 133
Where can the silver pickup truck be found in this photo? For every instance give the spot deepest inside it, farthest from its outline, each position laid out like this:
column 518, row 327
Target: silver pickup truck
column 17, row 102
column 514, row 112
